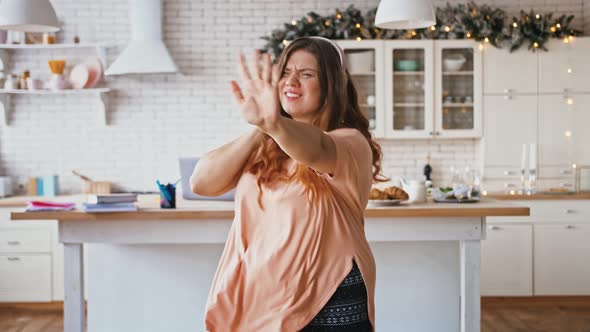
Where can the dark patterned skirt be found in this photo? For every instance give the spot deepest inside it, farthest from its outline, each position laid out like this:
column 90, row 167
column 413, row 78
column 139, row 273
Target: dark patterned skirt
column 347, row 310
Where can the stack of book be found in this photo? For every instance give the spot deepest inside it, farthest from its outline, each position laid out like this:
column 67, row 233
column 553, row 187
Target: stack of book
column 110, row 203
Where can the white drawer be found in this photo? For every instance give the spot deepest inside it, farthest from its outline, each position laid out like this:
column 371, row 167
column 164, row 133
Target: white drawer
column 564, row 171
column 563, row 183
column 25, row 278
column 25, row 240
column 503, row 186
column 561, row 211
column 501, row 172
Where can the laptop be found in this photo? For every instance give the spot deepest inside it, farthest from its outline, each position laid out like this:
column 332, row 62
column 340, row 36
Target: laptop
column 187, row 165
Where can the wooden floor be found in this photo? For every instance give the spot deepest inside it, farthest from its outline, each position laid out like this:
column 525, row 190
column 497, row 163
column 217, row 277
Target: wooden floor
column 571, row 314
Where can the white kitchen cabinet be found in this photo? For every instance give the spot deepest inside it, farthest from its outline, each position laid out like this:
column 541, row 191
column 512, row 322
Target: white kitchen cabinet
column 458, row 91
column 565, row 68
column 509, row 73
column 507, row 260
column 25, row 277
column 425, row 97
column 27, row 260
column 561, row 256
column 509, row 122
column 409, row 88
column 556, row 130
column 364, row 61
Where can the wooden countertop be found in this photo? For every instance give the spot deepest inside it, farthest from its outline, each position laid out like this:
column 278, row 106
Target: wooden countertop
column 193, row 210
column 540, row 196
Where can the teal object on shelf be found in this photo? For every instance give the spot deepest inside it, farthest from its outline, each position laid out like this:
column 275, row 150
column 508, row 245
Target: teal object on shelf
column 407, row 65
column 50, row 185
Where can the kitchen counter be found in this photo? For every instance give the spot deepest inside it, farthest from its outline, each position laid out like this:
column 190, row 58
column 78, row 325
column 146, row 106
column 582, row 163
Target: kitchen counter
column 192, row 209
column 151, row 270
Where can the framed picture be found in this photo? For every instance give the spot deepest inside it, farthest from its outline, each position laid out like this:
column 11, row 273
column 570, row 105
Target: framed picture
column 583, row 178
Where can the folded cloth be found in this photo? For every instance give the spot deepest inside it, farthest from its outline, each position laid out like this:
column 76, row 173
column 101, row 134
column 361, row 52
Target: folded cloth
column 49, row 206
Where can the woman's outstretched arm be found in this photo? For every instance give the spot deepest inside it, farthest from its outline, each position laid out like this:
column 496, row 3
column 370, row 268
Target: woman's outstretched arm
column 219, row 170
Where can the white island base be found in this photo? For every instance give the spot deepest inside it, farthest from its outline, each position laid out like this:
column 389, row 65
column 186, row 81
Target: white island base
column 154, row 275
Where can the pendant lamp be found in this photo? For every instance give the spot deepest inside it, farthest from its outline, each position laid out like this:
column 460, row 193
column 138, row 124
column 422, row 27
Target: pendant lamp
column 28, row 16
column 405, row 14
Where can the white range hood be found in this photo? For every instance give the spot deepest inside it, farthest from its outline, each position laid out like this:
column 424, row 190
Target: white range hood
column 146, row 53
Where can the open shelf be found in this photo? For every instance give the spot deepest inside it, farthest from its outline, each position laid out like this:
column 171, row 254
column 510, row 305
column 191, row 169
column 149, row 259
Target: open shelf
column 49, row 46
column 457, row 73
column 5, row 96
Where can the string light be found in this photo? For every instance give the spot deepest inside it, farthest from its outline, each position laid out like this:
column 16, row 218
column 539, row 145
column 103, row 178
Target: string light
column 566, row 40
column 413, row 32
column 309, row 20
column 480, row 46
column 433, row 28
column 487, row 40
column 358, row 25
column 338, row 16
column 536, row 45
column 568, row 133
column 285, row 42
column 468, row 35
column 537, row 16
column 293, row 22
column 515, row 24
column 552, row 29
column 570, row 38
column 327, row 23
column 558, row 25
column 447, row 28
column 358, row 38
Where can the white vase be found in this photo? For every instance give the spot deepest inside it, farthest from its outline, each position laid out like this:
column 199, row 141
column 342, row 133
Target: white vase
column 57, row 82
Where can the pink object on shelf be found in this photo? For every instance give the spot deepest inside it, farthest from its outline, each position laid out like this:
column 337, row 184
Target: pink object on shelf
column 79, row 76
column 94, row 72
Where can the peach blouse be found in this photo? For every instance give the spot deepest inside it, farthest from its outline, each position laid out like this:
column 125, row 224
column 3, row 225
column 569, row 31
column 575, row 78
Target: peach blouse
column 281, row 265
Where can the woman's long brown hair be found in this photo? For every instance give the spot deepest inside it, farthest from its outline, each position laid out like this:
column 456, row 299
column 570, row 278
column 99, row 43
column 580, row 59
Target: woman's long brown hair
column 340, row 109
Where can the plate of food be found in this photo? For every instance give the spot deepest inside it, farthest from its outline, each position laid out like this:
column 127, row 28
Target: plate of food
column 458, row 195
column 389, row 196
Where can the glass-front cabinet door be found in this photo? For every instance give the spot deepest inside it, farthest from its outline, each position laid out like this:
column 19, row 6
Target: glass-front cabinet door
column 364, row 61
column 408, row 88
column 458, row 91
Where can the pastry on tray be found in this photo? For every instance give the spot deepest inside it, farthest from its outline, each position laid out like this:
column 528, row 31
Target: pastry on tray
column 392, row 192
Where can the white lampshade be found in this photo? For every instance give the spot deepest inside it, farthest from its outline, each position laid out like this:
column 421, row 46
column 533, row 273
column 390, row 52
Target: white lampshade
column 28, row 16
column 405, row 14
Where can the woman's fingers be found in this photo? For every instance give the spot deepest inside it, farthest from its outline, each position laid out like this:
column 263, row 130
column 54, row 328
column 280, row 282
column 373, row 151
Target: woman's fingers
column 266, row 68
column 275, row 74
column 244, row 69
column 255, row 65
column 237, row 92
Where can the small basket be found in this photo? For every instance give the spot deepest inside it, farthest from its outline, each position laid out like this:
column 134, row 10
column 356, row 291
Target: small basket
column 96, row 187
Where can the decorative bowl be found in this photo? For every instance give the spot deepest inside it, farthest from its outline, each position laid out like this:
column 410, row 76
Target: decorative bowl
column 406, row 65
column 454, row 62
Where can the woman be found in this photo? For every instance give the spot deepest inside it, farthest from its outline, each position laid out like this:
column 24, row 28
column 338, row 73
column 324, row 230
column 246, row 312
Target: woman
column 296, row 258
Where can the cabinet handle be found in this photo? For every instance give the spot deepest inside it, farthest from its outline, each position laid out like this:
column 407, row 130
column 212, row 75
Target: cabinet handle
column 508, row 97
column 509, row 185
column 437, row 133
column 509, row 173
column 13, row 243
column 570, row 211
column 13, row 259
column 570, row 227
column 494, row 228
column 508, row 91
column 565, row 184
column 564, row 171
column 431, row 133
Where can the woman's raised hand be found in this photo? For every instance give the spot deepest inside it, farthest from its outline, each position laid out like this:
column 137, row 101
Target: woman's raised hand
column 259, row 99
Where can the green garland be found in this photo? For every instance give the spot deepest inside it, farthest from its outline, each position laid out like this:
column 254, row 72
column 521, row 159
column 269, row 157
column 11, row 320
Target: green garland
column 462, row 21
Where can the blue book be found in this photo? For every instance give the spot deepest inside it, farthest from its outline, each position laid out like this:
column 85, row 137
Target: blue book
column 50, row 187
column 39, row 186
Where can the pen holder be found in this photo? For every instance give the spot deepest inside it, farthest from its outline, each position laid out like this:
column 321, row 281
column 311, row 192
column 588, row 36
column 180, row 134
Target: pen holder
column 168, row 196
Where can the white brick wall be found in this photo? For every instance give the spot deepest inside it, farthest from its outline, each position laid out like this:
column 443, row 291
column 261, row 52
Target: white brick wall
column 156, row 118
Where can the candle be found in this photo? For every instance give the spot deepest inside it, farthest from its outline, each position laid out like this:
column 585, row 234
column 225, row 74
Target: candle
column 523, row 160
column 533, row 156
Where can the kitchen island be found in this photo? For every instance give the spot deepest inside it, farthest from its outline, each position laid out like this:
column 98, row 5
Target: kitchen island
column 151, row 270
